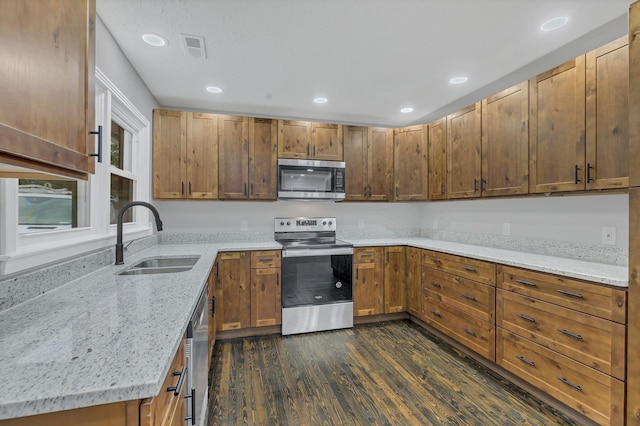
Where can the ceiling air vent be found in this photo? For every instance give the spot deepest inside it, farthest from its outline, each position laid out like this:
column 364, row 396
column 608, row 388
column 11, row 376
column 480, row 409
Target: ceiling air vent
column 193, row 46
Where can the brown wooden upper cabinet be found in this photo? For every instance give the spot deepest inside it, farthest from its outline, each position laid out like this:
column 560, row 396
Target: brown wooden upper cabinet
column 307, row 140
column 47, row 104
column 368, row 154
column 410, row 163
column 438, row 159
column 464, row 171
column 557, row 129
column 607, row 124
column 185, row 155
column 505, row 142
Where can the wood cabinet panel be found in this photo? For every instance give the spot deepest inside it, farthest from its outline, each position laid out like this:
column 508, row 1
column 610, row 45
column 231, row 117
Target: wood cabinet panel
column 368, row 154
column 263, row 159
column 233, row 298
column 395, row 293
column 356, row 163
column 410, row 163
column 169, row 153
column 233, row 161
column 266, row 259
column 594, row 341
column 557, row 129
column 294, row 139
column 463, row 152
column 592, row 393
column 326, row 142
column 477, row 270
column 211, row 284
column 367, row 288
column 601, row 301
column 438, row 159
column 119, row 413
column 266, row 296
column 47, row 104
column 202, row 156
column 367, row 255
column 505, row 142
column 414, row 281
column 607, row 112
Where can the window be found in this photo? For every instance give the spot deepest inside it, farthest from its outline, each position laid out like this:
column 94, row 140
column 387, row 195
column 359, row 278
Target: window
column 122, row 179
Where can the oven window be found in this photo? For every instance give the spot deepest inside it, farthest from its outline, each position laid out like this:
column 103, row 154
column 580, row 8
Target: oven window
column 316, row 280
column 306, row 179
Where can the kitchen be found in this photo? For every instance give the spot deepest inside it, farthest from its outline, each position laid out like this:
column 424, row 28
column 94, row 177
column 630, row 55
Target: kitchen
column 574, row 221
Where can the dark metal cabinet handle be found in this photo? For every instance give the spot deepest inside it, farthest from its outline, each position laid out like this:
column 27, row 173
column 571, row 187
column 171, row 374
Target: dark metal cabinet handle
column 192, row 417
column 568, row 293
column 176, row 389
column 577, row 172
column 396, row 192
column 252, row 189
column 217, row 269
column 436, row 314
column 468, row 296
column 308, row 148
column 529, row 283
column 99, row 153
column 526, row 318
column 475, row 185
column 213, row 306
column 314, row 150
column 483, row 184
column 589, row 168
column 469, row 268
column 245, row 189
column 526, row 361
column 357, row 273
column 366, row 255
column 566, row 382
column 570, row 334
column 182, row 187
column 436, row 260
column 365, row 191
column 265, row 259
column 189, row 188
column 369, row 191
column 471, row 332
column 435, row 284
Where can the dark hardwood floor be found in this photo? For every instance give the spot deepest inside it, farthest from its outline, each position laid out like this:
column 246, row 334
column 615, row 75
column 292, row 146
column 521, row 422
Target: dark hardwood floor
column 390, row 373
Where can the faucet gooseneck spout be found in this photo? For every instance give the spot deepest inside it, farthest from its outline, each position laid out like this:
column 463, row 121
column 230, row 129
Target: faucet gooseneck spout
column 119, row 245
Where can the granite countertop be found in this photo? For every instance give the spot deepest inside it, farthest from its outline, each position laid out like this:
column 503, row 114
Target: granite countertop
column 106, row 338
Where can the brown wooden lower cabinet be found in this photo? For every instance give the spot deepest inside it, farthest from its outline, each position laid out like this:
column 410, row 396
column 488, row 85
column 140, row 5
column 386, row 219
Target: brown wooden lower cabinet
column 266, row 292
column 414, row 281
column 395, row 293
column 367, row 281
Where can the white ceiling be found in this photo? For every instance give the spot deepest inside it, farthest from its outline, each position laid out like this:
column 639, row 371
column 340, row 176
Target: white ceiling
column 368, row 57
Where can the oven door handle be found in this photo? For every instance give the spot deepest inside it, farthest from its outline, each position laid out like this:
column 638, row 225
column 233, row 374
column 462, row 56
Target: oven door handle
column 316, row 252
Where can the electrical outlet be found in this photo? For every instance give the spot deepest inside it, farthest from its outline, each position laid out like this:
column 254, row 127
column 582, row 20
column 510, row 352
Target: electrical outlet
column 608, row 235
column 506, row 229
column 360, row 223
column 244, row 225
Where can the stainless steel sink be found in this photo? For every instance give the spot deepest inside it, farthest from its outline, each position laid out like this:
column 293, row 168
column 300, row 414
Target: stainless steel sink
column 162, row 265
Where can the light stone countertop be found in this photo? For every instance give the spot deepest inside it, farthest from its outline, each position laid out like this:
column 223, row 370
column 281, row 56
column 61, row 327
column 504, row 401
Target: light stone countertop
column 105, row 338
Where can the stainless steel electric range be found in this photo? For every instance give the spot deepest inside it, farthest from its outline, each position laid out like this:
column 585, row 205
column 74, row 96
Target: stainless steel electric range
column 317, row 275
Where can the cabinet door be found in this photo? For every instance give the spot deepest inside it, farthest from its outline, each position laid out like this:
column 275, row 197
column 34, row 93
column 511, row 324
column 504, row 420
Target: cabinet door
column 211, row 284
column 326, row 142
column 355, row 157
column 557, row 128
column 367, row 289
column 437, row 159
column 233, row 152
column 202, row 156
column 294, row 139
column 410, row 163
column 505, row 142
column 414, row 281
column 169, row 154
column 233, row 298
column 266, row 307
column 608, row 116
column 47, row 103
column 263, row 159
column 395, row 294
column 463, row 153
column 380, row 164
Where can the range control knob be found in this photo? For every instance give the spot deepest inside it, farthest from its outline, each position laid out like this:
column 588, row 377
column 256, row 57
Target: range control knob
column 281, row 223
column 324, row 223
column 288, row 223
column 330, row 223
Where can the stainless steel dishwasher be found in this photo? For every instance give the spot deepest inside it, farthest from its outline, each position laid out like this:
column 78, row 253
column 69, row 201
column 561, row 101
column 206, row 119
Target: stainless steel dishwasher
column 196, row 354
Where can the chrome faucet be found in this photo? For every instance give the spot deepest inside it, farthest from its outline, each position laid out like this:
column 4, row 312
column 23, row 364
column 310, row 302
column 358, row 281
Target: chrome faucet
column 119, row 245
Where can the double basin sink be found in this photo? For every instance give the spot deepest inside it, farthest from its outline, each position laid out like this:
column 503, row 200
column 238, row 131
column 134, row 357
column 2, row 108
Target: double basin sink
column 162, row 265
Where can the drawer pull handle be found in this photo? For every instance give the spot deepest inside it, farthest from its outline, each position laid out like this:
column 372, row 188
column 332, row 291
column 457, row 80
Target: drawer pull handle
column 435, row 284
column 265, row 259
column 176, row 389
column 366, row 255
column 469, row 297
column 436, row 260
column 526, row 361
column 526, row 318
column 566, row 382
column 568, row 333
column 471, row 332
column 469, row 268
column 436, row 314
column 568, row 293
column 529, row 283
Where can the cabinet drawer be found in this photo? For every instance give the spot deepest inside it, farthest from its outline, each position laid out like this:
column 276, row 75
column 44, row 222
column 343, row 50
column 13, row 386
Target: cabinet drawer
column 367, row 255
column 472, row 332
column 477, row 270
column 594, row 299
column 265, row 259
column 590, row 392
column 469, row 296
column 594, row 341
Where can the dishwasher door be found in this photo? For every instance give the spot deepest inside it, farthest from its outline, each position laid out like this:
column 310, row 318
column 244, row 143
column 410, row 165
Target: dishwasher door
column 198, row 364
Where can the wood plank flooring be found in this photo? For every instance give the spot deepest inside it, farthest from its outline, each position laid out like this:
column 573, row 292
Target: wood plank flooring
column 390, row 373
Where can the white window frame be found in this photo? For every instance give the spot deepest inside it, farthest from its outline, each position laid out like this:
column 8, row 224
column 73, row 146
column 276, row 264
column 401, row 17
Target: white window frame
column 19, row 252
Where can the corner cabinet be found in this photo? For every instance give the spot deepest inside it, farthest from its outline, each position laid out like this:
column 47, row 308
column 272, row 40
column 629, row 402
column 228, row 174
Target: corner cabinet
column 368, row 154
column 410, row 163
column 47, row 103
column 313, row 141
column 463, row 153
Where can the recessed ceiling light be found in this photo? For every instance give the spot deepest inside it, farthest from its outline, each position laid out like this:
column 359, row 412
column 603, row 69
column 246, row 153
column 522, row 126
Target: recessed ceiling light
column 214, row 89
column 320, row 100
column 554, row 23
column 458, row 80
column 406, row 110
column 154, row 40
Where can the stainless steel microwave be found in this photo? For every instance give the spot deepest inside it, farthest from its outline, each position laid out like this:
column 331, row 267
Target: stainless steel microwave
column 310, row 179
